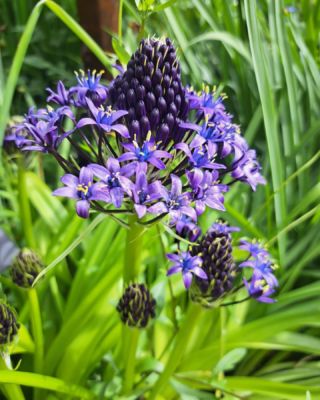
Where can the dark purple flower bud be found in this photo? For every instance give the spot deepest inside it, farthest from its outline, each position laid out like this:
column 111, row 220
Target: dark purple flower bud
column 150, row 101
column 169, row 96
column 140, row 109
column 131, row 97
column 141, row 91
column 147, row 82
column 9, row 325
column 144, row 125
column 137, row 306
column 154, row 117
column 162, row 105
column 158, row 91
column 25, row 268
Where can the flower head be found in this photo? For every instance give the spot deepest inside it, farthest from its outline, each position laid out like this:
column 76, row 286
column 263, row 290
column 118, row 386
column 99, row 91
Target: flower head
column 186, row 228
column 25, row 268
column 9, row 325
column 137, row 306
column 188, row 265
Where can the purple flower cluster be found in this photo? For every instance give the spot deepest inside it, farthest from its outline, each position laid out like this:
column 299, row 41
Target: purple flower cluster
column 263, row 282
column 134, row 145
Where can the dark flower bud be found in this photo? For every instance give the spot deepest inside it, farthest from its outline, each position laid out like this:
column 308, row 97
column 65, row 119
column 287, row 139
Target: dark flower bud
column 215, row 250
column 141, row 91
column 131, row 97
column 169, row 96
column 154, row 117
column 150, row 101
column 144, row 125
column 134, row 128
column 8, row 324
column 136, row 306
column 162, row 105
column 25, row 268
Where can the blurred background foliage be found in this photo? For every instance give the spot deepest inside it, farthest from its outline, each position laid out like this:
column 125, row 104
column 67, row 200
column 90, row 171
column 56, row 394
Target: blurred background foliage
column 265, row 56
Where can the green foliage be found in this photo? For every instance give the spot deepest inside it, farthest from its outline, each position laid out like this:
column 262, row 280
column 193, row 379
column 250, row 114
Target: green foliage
column 266, row 59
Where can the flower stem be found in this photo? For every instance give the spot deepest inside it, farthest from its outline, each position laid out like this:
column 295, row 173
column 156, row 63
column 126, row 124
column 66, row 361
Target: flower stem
column 10, row 390
column 130, row 336
column 36, row 329
column 25, row 212
column 133, row 336
column 132, row 256
column 193, row 313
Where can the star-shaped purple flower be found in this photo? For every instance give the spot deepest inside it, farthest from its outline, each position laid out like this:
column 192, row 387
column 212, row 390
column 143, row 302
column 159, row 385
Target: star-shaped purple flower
column 188, row 266
column 200, row 157
column 89, row 86
column 174, row 201
column 206, row 190
column 146, row 153
column 262, row 267
column 105, row 119
column 259, row 289
column 60, row 97
column 114, row 178
column 83, row 189
column 254, row 248
column 142, row 192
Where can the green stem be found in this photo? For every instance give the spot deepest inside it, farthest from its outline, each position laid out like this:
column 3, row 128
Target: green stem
column 179, row 349
column 130, row 336
column 120, row 20
column 133, row 337
column 10, row 390
column 25, row 211
column 132, row 256
column 36, row 325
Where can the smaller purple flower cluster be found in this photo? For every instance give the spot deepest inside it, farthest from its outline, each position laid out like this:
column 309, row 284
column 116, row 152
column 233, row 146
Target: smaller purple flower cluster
column 212, row 254
column 263, row 282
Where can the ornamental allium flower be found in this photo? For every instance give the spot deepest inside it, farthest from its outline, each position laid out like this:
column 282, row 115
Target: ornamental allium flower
column 175, row 203
column 152, row 92
column 137, row 306
column 114, row 180
column 83, row 189
column 215, row 249
column 104, row 119
column 25, row 268
column 188, row 265
column 142, row 192
column 89, row 87
column 206, row 190
column 9, row 325
column 259, row 289
column 147, row 152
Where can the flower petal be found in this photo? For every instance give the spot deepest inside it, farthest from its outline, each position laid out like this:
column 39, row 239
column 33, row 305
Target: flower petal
column 82, row 208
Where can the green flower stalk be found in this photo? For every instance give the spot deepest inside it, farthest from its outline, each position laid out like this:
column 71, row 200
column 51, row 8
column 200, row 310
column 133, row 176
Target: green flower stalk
column 137, row 306
column 9, row 325
column 25, row 268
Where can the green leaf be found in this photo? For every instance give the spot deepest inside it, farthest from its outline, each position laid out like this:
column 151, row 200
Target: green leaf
column 120, row 51
column 44, row 382
column 230, row 360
